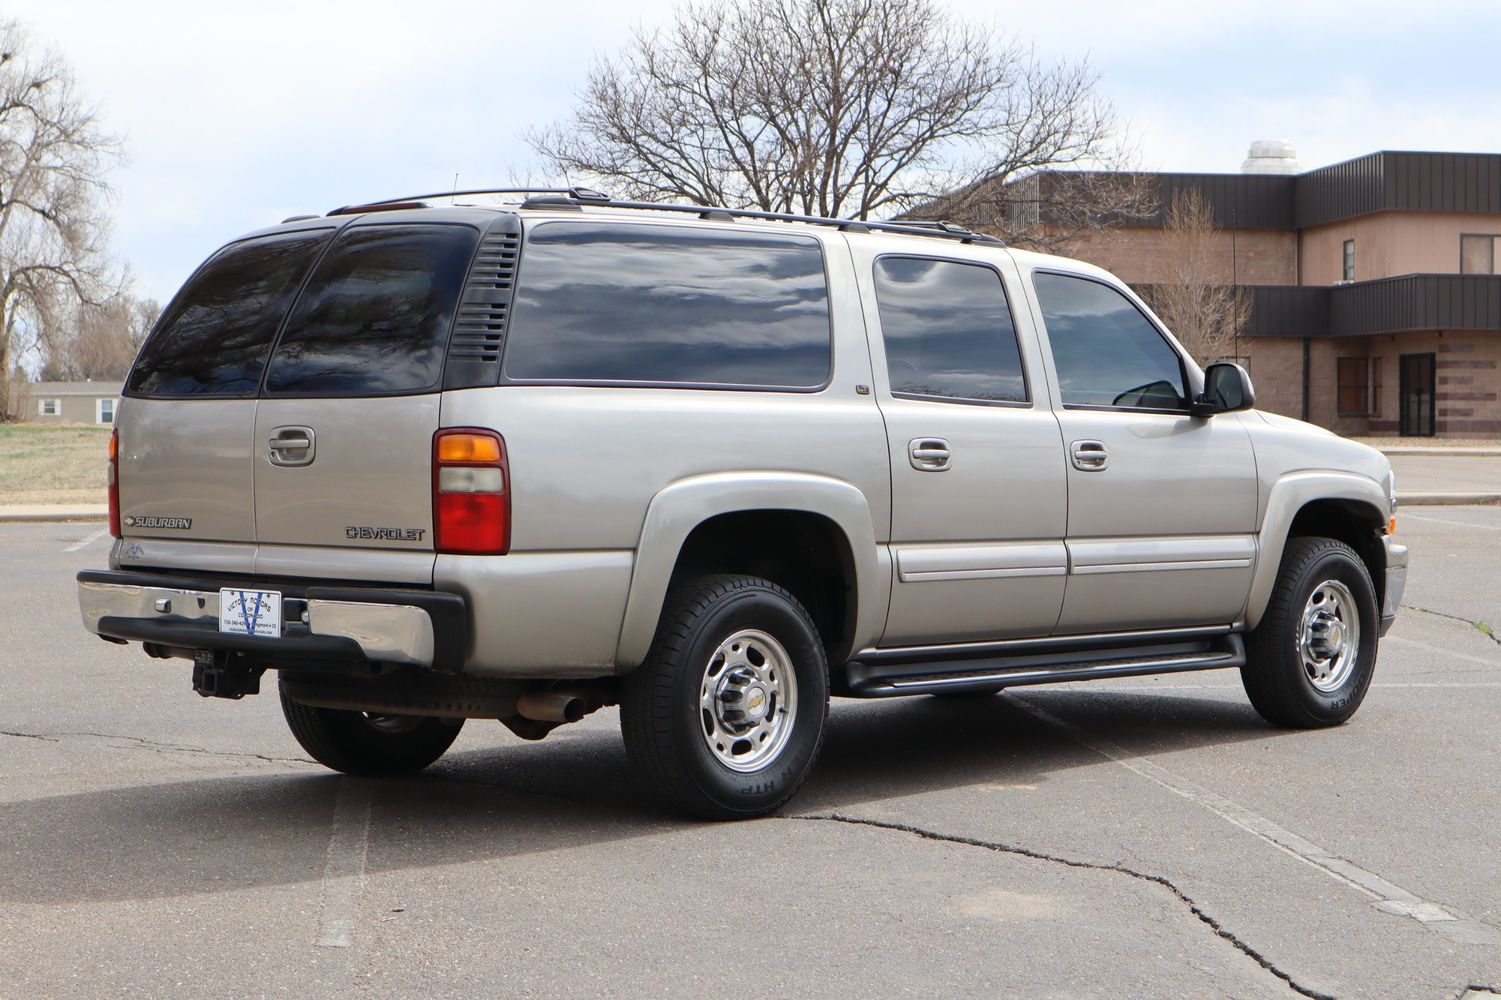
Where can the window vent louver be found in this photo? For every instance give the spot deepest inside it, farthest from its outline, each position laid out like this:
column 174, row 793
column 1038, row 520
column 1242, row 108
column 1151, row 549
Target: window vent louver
column 480, row 327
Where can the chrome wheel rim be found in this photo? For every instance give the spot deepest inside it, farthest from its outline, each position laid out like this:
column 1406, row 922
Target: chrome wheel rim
column 747, row 701
column 392, row 725
column 1329, row 636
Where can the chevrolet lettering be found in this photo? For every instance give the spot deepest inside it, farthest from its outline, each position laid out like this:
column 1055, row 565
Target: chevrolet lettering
column 523, row 455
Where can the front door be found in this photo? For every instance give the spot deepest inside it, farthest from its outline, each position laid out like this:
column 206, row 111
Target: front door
column 1417, row 395
column 1161, row 504
column 978, row 490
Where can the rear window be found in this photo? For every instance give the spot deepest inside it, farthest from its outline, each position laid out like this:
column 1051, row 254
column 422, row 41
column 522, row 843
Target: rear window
column 375, row 316
column 659, row 304
column 215, row 336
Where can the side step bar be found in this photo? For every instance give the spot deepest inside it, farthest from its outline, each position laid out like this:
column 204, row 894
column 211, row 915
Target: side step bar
column 881, row 679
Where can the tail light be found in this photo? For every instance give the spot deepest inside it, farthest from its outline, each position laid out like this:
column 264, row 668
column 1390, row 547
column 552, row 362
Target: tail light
column 471, row 492
column 112, row 478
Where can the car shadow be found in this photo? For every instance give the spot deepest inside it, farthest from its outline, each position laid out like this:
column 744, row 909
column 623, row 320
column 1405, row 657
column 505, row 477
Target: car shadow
column 515, row 799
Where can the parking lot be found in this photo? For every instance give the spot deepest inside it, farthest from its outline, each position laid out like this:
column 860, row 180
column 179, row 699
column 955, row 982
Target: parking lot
column 1143, row 837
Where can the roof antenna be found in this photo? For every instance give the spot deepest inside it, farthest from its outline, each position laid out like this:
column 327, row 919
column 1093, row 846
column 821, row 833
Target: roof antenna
column 454, row 188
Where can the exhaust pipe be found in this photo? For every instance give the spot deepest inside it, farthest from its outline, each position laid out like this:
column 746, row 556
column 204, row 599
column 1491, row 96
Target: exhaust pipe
column 552, row 706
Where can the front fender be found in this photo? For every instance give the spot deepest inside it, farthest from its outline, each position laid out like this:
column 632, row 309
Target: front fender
column 682, row 506
column 1289, row 495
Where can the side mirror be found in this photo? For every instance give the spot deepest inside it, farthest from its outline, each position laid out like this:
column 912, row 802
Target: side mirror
column 1227, row 387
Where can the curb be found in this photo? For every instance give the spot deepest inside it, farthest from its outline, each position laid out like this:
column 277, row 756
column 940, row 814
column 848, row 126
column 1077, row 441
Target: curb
column 52, row 517
column 1444, row 499
column 1442, row 452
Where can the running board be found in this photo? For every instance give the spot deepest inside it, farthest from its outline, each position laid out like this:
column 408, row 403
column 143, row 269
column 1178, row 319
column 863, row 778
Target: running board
column 882, row 680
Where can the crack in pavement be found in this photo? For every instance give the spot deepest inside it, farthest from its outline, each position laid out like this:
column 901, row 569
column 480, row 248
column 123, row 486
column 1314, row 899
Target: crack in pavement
column 1484, row 628
column 155, row 746
column 1026, row 852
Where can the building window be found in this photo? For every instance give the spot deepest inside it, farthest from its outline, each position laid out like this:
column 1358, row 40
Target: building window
column 1349, row 268
column 1477, row 253
column 49, row 407
column 1354, row 376
column 104, row 411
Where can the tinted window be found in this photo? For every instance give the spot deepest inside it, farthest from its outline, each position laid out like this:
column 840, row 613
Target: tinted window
column 1105, row 350
column 375, row 315
column 655, row 304
column 215, row 336
column 948, row 330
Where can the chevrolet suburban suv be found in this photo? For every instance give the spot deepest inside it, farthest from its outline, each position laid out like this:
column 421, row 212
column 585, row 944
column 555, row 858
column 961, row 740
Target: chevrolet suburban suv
column 523, row 460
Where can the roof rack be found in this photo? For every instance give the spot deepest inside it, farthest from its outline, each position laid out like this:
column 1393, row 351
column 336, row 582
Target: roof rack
column 939, row 229
column 577, row 197
column 577, row 194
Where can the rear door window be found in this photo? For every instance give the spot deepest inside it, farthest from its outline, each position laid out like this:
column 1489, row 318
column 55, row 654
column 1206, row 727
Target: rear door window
column 375, row 316
column 948, row 331
column 602, row 303
column 1106, row 351
column 215, row 336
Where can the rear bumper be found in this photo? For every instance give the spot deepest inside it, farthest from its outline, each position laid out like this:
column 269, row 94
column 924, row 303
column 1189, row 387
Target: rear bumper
column 325, row 626
column 1396, row 582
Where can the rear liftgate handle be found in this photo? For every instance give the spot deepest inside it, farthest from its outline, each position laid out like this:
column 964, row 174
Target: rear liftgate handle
column 293, row 445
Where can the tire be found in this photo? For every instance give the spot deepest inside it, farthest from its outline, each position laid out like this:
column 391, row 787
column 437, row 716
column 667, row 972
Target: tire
column 690, row 717
column 1292, row 683
column 369, row 744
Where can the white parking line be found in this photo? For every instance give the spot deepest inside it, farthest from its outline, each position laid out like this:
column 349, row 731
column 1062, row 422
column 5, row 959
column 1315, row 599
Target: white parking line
column 344, row 871
column 88, row 539
column 1404, row 514
column 1387, row 897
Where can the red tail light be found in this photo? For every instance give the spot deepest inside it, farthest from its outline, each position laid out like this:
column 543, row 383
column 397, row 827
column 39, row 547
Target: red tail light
column 471, row 492
column 112, row 477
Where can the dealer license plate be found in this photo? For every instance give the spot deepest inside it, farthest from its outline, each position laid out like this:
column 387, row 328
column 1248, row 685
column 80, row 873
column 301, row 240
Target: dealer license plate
column 250, row 612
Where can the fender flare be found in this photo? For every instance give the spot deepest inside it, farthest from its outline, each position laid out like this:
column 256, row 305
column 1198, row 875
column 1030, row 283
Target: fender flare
column 682, row 506
column 1287, row 497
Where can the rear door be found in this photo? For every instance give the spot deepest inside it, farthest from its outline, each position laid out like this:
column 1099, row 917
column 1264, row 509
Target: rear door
column 185, row 426
column 342, row 442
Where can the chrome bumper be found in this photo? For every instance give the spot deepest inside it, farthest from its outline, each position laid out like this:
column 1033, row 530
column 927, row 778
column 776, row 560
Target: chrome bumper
column 380, row 625
column 1396, row 582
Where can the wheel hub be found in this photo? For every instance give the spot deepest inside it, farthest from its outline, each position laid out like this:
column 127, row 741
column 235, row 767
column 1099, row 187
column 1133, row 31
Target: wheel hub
column 748, row 700
column 1329, row 635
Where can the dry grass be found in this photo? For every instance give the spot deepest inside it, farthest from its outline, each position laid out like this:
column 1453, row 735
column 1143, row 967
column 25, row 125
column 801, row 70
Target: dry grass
column 52, row 463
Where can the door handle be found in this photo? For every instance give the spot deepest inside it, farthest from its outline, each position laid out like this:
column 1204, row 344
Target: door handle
column 929, row 454
column 291, row 446
column 1089, row 456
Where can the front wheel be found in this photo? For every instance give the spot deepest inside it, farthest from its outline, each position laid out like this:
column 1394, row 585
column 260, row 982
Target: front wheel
column 726, row 716
column 1310, row 660
column 368, row 743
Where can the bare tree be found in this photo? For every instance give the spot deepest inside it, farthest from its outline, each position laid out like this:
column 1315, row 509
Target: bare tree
column 99, row 341
column 53, row 157
column 1205, row 313
column 847, row 108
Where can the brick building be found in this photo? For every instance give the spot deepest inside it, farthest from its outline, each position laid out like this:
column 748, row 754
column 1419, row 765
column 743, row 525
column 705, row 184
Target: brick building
column 1375, row 284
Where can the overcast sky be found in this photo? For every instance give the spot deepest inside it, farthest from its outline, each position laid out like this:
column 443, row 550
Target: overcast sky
column 236, row 116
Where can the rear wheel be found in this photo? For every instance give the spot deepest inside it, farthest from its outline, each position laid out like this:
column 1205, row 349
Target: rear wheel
column 369, row 743
column 726, row 716
column 1310, row 660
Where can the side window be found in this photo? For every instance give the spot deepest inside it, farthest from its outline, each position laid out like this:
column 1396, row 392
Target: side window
column 598, row 302
column 1105, row 350
column 948, row 331
column 214, row 338
column 375, row 316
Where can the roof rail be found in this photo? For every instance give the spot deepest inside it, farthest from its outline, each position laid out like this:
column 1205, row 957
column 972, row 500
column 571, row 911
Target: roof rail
column 947, row 230
column 579, row 194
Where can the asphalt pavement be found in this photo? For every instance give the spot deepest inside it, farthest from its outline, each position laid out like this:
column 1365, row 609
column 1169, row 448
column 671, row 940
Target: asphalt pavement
column 1147, row 837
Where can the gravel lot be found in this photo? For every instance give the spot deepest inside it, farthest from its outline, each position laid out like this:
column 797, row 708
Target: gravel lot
column 1147, row 838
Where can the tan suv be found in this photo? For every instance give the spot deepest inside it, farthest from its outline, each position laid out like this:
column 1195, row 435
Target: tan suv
column 524, row 460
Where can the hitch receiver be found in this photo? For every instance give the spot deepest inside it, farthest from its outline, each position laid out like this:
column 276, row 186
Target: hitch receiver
column 217, row 673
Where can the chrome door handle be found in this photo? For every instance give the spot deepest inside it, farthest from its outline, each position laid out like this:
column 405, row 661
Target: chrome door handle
column 929, row 454
column 1089, row 456
column 291, row 446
